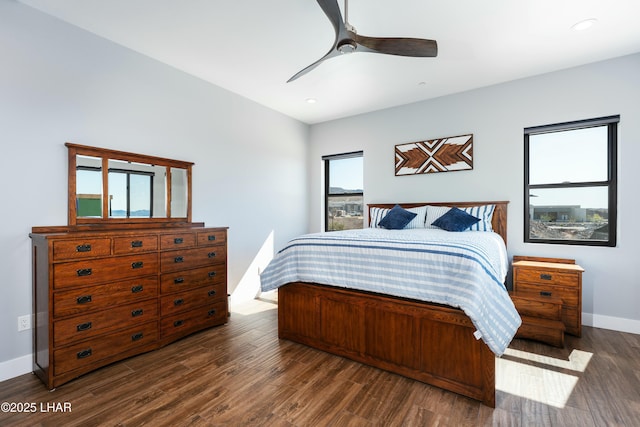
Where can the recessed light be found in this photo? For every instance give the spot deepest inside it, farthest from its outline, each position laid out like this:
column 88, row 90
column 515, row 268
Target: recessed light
column 583, row 25
column 311, row 100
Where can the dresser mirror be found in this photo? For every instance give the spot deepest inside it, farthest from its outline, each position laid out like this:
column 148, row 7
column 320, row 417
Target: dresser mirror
column 109, row 186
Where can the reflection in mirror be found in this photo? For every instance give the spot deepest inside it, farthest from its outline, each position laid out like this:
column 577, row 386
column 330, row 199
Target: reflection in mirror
column 136, row 190
column 179, row 192
column 89, row 186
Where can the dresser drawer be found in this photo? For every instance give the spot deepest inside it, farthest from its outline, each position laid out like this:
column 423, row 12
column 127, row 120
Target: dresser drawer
column 79, row 355
column 184, row 301
column 96, row 323
column 177, row 241
column 98, row 297
column 187, row 279
column 87, row 272
column 546, row 277
column 569, row 295
column 134, row 244
column 191, row 321
column 206, row 238
column 191, row 258
column 78, row 249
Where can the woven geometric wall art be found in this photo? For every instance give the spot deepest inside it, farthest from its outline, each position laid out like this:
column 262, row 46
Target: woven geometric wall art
column 454, row 153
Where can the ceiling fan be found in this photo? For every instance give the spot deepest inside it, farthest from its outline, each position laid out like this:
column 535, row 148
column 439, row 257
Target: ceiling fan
column 348, row 40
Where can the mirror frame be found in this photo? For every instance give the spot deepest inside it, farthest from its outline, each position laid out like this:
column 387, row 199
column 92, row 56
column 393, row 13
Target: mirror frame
column 106, row 155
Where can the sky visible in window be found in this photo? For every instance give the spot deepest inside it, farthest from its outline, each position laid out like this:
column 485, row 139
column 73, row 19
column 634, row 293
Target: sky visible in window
column 346, row 173
column 569, row 157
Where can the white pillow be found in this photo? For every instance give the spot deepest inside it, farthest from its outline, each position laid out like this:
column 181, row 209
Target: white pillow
column 376, row 215
column 485, row 213
column 433, row 213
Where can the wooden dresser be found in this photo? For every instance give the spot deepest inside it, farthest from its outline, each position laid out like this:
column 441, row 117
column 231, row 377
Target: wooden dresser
column 105, row 295
column 552, row 277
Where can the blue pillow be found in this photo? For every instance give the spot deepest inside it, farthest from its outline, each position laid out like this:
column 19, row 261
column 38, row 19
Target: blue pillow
column 455, row 220
column 397, row 218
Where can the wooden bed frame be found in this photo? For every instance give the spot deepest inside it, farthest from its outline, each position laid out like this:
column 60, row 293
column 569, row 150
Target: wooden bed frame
column 428, row 342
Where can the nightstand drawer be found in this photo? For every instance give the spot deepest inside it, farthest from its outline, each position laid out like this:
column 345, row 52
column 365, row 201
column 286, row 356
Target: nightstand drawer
column 569, row 296
column 532, row 304
column 546, row 277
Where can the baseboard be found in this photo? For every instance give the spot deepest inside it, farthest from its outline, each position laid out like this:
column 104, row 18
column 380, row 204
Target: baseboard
column 609, row 322
column 16, row 367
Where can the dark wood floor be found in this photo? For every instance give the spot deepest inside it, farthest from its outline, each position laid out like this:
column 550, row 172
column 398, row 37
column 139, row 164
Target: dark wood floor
column 241, row 374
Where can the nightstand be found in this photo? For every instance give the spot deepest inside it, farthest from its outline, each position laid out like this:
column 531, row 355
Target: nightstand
column 552, row 277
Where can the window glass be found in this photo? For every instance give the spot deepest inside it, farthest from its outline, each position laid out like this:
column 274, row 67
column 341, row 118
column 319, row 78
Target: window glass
column 344, row 198
column 569, row 213
column 568, row 156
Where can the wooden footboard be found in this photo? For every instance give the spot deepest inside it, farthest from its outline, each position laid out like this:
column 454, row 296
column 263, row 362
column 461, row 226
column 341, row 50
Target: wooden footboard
column 427, row 342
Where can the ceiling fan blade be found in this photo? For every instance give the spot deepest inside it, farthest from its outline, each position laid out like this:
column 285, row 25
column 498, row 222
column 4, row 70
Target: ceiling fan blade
column 332, row 10
column 401, row 46
column 333, row 52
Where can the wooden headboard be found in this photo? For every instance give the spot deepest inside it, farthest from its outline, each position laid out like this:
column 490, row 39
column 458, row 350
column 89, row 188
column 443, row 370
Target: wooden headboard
column 498, row 222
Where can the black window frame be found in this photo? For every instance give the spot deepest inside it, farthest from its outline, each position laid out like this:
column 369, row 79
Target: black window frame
column 327, row 180
column 611, row 182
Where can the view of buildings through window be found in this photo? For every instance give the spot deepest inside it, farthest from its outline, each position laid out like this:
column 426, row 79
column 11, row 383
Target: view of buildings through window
column 570, row 182
column 344, row 201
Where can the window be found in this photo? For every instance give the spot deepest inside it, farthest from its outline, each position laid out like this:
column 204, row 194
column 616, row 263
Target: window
column 344, row 204
column 570, row 182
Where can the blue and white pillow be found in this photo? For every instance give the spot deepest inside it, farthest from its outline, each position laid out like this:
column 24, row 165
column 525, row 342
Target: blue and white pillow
column 376, row 215
column 456, row 220
column 485, row 213
column 433, row 213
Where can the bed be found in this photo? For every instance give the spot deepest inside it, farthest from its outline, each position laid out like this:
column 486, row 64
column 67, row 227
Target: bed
column 445, row 341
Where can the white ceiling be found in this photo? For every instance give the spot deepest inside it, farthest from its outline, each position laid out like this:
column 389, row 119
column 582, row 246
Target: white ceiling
column 252, row 47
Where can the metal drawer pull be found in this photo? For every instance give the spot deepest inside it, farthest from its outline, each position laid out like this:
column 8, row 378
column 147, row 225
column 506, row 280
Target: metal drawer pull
column 211, row 312
column 136, row 244
column 211, row 254
column 136, row 337
column 546, row 276
column 178, row 280
column 83, row 299
column 178, row 240
column 212, row 273
column 178, row 259
column 136, row 289
column 83, row 272
column 136, row 313
column 212, row 292
column 211, row 238
column 84, row 326
column 138, row 264
column 83, row 248
column 545, row 293
column 178, row 323
column 178, row 301
column 84, row 353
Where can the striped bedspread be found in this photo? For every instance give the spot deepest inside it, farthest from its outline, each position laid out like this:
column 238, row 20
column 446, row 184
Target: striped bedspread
column 465, row 270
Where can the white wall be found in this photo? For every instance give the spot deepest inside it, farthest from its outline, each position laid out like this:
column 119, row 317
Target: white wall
column 59, row 83
column 497, row 116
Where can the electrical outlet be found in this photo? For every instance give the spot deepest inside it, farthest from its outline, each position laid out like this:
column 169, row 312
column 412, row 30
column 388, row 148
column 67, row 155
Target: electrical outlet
column 24, row 323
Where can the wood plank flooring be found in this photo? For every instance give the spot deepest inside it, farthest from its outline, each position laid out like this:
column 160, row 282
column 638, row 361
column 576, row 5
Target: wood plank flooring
column 241, row 374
